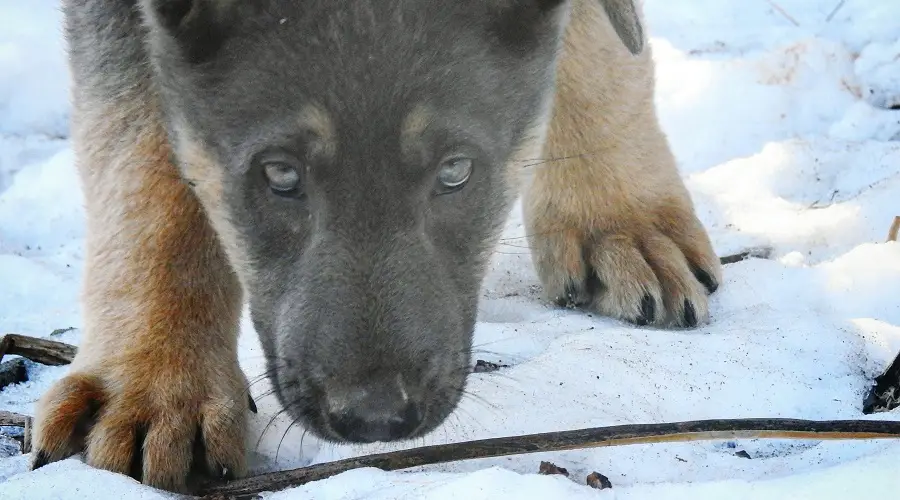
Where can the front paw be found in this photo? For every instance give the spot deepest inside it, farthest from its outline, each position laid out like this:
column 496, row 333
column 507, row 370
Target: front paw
column 161, row 425
column 646, row 268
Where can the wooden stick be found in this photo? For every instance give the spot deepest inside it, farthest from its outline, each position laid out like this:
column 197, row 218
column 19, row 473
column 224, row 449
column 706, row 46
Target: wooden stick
column 48, row 352
column 895, row 228
column 250, row 487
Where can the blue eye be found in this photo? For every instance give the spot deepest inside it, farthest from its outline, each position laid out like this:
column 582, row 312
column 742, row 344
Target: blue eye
column 455, row 173
column 283, row 178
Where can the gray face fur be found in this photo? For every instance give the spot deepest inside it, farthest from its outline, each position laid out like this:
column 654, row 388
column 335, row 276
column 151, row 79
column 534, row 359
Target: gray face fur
column 365, row 274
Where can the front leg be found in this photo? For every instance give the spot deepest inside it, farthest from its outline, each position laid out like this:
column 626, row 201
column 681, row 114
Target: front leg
column 612, row 227
column 155, row 390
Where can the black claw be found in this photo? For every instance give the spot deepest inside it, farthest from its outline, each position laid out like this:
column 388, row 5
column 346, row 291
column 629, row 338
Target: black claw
column 227, row 474
column 593, row 285
column 252, row 404
column 648, row 311
column 40, row 459
column 707, row 280
column 581, row 293
column 690, row 314
column 572, row 293
column 565, row 299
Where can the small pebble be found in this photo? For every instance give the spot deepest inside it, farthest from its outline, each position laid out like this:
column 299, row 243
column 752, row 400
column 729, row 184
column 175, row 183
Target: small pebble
column 548, row 468
column 482, row 366
column 13, row 372
column 598, row 481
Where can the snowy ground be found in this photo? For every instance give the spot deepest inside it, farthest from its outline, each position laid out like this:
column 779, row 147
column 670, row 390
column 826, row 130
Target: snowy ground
column 783, row 128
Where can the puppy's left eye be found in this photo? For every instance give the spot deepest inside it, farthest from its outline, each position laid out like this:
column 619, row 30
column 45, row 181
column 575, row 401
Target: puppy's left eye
column 283, row 177
column 454, row 173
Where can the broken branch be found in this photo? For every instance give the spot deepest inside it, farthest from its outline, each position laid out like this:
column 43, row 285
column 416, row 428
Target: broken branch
column 48, row 352
column 759, row 253
column 250, row 487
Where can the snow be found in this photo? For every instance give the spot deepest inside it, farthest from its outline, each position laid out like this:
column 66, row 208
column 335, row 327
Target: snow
column 784, row 134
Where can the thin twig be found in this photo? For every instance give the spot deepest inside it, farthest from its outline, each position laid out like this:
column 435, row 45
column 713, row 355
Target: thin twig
column 783, row 12
column 44, row 351
column 835, row 11
column 758, row 253
column 895, row 228
column 559, row 441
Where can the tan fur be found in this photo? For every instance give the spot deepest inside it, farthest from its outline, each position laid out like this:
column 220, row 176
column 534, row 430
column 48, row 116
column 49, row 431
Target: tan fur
column 204, row 173
column 319, row 121
column 616, row 202
column 414, row 124
column 161, row 313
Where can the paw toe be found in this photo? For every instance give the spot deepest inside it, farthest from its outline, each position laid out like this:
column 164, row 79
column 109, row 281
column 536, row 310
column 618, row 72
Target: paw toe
column 167, row 453
column 223, row 432
column 113, row 440
column 63, row 418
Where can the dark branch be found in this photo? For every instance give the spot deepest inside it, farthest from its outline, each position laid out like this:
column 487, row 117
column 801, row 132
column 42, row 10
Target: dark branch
column 558, row 441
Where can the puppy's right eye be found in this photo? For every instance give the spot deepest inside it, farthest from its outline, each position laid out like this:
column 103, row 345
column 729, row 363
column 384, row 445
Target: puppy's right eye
column 284, row 178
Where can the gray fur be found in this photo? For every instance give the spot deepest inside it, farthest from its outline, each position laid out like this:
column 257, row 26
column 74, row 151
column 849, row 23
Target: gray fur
column 364, row 290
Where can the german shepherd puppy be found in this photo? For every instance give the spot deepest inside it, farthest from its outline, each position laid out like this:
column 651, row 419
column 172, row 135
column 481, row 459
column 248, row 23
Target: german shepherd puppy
column 346, row 167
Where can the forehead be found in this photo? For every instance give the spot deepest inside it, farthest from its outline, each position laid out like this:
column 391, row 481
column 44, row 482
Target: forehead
column 345, row 47
column 360, row 62
column 332, row 48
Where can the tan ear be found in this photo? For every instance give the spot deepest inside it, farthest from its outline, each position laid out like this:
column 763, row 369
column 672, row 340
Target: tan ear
column 624, row 17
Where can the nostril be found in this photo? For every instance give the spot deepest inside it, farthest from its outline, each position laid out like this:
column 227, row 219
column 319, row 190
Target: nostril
column 345, row 424
column 406, row 422
column 370, row 428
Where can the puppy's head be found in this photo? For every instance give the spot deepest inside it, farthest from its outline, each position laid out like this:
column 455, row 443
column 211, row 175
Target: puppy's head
column 354, row 159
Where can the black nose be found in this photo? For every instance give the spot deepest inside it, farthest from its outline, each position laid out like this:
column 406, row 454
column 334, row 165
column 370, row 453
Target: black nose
column 376, row 426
